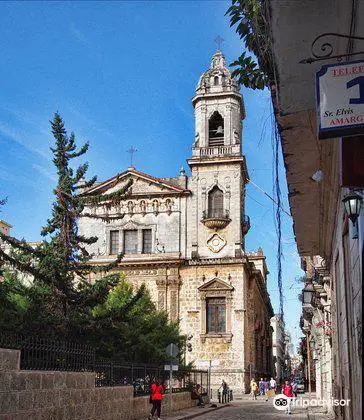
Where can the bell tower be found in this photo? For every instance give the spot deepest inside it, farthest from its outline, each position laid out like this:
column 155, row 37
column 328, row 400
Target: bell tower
column 219, row 111
column 218, row 224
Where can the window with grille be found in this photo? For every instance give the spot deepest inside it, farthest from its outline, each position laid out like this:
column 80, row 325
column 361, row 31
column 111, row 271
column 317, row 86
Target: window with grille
column 130, row 241
column 114, row 242
column 216, row 203
column 216, row 315
column 147, row 241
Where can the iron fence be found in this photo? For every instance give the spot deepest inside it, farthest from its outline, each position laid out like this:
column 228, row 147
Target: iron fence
column 38, row 353
column 110, row 373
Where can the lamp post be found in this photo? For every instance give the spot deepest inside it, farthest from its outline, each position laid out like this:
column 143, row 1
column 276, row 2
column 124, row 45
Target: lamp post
column 307, row 294
column 352, row 204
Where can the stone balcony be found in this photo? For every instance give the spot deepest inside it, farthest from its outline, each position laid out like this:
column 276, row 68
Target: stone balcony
column 216, row 221
column 216, row 151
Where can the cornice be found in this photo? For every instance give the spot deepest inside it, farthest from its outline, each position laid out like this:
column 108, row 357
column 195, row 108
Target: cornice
column 216, row 261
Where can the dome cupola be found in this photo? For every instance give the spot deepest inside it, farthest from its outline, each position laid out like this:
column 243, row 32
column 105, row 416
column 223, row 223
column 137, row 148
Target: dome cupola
column 217, row 78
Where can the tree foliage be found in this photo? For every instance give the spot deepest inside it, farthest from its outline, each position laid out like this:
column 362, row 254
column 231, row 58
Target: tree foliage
column 59, row 302
column 249, row 16
column 63, row 253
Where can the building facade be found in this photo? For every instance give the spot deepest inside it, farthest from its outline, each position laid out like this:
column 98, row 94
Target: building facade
column 304, row 36
column 279, row 347
column 5, row 228
column 184, row 237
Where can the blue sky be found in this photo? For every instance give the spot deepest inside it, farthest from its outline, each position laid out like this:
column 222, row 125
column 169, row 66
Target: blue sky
column 122, row 74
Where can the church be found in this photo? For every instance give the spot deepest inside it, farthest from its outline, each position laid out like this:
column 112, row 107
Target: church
column 184, row 237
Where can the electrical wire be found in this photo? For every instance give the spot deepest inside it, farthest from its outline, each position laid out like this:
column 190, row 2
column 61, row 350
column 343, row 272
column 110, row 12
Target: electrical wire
column 270, row 197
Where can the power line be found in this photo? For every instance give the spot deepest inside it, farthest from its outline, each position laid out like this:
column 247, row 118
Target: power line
column 271, row 198
column 255, row 200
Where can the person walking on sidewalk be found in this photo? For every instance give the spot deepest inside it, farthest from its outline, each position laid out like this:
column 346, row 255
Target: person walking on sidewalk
column 261, row 386
column 253, row 389
column 273, row 384
column 287, row 391
column 157, row 396
column 225, row 392
column 294, row 388
column 266, row 388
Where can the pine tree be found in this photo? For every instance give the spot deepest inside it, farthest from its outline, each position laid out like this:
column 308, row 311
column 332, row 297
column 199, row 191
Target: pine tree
column 62, row 256
column 108, row 314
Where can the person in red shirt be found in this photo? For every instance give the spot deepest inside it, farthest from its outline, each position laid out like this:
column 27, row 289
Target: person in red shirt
column 287, row 391
column 157, row 396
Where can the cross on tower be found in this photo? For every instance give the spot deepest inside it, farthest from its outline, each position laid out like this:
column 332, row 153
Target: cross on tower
column 219, row 41
column 132, row 150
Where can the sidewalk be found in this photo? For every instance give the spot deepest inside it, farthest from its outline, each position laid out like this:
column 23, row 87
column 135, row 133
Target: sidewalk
column 318, row 413
column 193, row 412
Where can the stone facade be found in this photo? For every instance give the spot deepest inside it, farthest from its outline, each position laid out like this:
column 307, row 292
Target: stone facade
column 195, row 264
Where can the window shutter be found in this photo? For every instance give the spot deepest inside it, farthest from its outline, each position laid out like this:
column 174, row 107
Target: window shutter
column 216, row 203
column 216, row 315
column 147, row 241
column 130, row 241
column 114, row 242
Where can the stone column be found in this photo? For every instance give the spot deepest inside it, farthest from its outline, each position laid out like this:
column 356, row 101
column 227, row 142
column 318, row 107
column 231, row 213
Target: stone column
column 228, row 135
column 161, row 282
column 173, row 284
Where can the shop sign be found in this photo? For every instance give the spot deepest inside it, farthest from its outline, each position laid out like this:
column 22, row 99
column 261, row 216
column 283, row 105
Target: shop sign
column 340, row 99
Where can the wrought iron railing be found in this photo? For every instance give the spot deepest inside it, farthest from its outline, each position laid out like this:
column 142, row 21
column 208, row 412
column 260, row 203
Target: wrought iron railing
column 223, row 214
column 38, row 353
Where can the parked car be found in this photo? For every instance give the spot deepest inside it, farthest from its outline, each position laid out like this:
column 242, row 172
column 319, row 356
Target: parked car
column 300, row 385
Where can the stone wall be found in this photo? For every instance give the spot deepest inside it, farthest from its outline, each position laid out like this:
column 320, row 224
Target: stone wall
column 226, row 351
column 45, row 395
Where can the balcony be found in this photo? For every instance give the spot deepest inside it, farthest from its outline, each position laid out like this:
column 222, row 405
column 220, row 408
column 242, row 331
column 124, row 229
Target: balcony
column 216, row 151
column 246, row 224
column 216, row 221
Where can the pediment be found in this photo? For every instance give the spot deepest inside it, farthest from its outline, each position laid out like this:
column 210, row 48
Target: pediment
column 215, row 284
column 143, row 185
column 131, row 225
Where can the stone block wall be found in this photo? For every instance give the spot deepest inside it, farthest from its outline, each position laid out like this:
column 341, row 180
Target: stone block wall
column 226, row 353
column 33, row 395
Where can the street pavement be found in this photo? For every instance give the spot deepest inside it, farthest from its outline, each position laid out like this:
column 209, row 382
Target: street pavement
column 245, row 409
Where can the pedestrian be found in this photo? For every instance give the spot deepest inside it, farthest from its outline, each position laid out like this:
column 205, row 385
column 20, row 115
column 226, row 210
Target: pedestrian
column 261, row 386
column 225, row 391
column 287, row 391
column 253, row 389
column 273, row 384
column 294, row 388
column 197, row 395
column 157, row 396
column 266, row 387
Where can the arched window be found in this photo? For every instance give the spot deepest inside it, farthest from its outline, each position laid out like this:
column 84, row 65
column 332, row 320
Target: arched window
column 216, row 80
column 216, row 203
column 216, row 130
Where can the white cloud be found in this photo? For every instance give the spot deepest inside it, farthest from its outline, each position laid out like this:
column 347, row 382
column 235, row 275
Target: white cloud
column 44, row 171
column 23, row 140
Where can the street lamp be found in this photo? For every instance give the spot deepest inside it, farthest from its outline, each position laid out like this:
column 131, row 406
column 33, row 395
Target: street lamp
column 352, row 204
column 307, row 294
